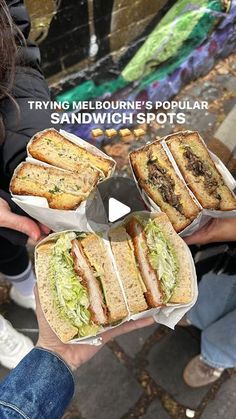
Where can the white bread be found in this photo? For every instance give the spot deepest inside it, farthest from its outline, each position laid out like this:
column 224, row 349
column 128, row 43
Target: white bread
column 51, row 147
column 155, row 190
column 62, row 189
column 208, row 185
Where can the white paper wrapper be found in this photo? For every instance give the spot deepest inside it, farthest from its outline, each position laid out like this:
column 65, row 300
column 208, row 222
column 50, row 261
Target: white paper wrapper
column 58, row 220
column 205, row 215
column 168, row 315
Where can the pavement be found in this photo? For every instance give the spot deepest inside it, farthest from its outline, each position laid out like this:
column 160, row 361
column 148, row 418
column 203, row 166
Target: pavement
column 139, row 375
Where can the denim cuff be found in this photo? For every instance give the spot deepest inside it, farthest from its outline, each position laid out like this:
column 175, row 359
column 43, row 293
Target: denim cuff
column 40, row 387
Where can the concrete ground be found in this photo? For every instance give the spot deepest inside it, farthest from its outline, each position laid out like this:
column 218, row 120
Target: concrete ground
column 140, row 375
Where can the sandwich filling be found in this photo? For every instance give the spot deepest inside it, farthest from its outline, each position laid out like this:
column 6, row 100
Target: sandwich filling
column 162, row 258
column 71, row 296
column 159, row 177
column 200, row 168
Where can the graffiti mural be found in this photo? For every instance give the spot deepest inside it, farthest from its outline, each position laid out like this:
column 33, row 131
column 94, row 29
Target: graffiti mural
column 131, row 50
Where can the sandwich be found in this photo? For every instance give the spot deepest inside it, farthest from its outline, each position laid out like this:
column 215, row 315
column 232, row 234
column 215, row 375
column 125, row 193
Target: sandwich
column 200, row 172
column 157, row 177
column 149, row 253
column 63, row 190
column 86, row 283
column 52, row 147
column 78, row 289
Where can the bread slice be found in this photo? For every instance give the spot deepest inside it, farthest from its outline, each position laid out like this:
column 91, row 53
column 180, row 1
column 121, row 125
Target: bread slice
column 164, row 187
column 183, row 291
column 99, row 258
column 200, row 172
column 122, row 249
column 62, row 189
column 51, row 147
column 61, row 326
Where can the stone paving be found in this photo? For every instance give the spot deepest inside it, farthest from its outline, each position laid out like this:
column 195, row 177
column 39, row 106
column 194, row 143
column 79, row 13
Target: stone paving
column 139, row 375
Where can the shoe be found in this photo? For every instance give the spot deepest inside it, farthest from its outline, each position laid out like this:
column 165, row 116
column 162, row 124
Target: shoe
column 197, row 373
column 184, row 322
column 22, row 300
column 13, row 346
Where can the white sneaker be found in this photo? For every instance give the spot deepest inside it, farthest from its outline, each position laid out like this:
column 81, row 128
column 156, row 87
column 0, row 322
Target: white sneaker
column 13, row 346
column 22, row 300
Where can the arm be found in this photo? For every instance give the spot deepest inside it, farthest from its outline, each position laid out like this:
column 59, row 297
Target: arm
column 42, row 385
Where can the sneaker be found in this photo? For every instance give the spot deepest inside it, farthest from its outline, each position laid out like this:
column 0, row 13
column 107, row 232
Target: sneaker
column 13, row 346
column 22, row 300
column 197, row 373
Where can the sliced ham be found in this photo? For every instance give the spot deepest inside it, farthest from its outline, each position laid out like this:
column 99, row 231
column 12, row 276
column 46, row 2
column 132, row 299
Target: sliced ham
column 84, row 269
column 154, row 294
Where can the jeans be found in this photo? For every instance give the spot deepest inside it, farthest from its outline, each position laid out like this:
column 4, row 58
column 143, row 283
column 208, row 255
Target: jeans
column 40, row 387
column 215, row 315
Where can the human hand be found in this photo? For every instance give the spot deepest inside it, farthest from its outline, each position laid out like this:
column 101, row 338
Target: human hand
column 217, row 230
column 76, row 355
column 35, row 231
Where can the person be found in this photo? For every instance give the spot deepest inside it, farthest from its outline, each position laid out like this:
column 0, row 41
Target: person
column 42, row 384
column 215, row 311
column 21, row 80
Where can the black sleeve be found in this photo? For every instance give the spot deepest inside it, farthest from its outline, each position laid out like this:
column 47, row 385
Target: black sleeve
column 15, row 237
column 28, row 54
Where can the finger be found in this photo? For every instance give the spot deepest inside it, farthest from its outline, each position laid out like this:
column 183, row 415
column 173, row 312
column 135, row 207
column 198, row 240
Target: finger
column 24, row 225
column 45, row 230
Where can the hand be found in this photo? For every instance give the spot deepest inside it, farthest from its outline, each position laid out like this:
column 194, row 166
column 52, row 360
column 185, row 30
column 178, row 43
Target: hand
column 35, row 231
column 217, row 230
column 76, row 355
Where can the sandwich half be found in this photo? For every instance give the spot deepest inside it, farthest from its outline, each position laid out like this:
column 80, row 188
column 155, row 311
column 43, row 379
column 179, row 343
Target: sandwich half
column 200, row 172
column 78, row 289
column 157, row 177
column 51, row 147
column 152, row 261
column 62, row 189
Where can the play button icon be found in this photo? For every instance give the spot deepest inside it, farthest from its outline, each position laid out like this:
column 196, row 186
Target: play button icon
column 115, row 198
column 116, row 210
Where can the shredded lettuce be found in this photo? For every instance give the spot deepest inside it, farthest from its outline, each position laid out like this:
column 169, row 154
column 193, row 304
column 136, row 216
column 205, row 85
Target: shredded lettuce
column 71, row 296
column 162, row 258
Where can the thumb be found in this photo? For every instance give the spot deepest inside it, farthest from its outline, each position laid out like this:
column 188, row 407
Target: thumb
column 24, row 225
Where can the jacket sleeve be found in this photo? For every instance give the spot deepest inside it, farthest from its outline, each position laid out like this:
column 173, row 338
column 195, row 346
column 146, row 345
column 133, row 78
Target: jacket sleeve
column 28, row 54
column 41, row 386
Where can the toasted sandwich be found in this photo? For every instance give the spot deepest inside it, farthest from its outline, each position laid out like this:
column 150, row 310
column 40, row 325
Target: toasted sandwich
column 158, row 256
column 51, row 147
column 200, row 172
column 63, row 190
column 86, row 283
column 157, row 177
column 78, row 288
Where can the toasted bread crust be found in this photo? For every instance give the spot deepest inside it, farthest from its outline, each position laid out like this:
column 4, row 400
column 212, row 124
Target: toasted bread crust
column 139, row 161
column 62, row 327
column 211, row 197
column 51, row 147
column 62, row 189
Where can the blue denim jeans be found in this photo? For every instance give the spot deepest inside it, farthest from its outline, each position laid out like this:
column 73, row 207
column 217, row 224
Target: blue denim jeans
column 215, row 315
column 40, row 387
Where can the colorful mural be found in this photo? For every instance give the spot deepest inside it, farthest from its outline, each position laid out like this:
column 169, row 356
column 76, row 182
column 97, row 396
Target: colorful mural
column 138, row 50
